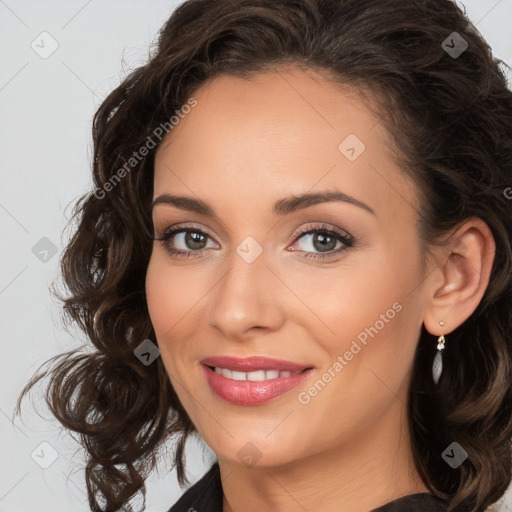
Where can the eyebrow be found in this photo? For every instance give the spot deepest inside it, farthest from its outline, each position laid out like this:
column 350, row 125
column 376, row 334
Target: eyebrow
column 281, row 207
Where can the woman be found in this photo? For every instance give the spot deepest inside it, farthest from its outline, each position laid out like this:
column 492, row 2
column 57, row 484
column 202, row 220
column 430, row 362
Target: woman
column 306, row 206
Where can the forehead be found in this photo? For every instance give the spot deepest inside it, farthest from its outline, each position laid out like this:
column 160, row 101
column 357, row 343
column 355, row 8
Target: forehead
column 279, row 133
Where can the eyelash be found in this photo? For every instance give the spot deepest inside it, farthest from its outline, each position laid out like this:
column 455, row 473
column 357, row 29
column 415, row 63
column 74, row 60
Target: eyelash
column 347, row 240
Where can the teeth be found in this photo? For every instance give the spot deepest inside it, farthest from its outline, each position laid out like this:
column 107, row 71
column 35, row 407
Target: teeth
column 255, row 376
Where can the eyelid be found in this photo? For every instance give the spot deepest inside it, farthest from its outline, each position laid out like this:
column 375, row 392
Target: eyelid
column 341, row 235
column 184, row 227
column 311, row 227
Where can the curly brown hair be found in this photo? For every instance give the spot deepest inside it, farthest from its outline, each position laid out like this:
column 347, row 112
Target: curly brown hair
column 451, row 120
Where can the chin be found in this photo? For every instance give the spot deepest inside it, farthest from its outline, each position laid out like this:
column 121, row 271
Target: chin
column 253, row 449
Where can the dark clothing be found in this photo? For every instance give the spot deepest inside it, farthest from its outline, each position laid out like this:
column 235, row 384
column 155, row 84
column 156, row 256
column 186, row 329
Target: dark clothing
column 206, row 496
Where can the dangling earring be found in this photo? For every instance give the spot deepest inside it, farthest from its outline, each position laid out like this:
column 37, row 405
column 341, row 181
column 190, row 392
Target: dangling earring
column 437, row 367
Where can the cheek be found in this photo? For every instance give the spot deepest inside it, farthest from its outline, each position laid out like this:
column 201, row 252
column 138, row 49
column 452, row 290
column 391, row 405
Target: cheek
column 166, row 304
column 157, row 294
column 367, row 312
column 174, row 297
column 170, row 293
column 343, row 301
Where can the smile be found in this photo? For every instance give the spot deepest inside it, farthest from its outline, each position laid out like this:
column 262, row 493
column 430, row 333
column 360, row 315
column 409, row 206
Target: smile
column 255, row 387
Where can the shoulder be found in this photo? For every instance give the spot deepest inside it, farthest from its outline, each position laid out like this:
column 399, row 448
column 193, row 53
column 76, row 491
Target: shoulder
column 204, row 496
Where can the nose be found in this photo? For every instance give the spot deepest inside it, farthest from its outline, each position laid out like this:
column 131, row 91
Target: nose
column 247, row 299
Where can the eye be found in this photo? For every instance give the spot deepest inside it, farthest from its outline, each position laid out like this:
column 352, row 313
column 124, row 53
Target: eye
column 189, row 240
column 323, row 240
column 192, row 241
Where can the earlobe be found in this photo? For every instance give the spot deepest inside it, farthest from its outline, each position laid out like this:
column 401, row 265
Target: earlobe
column 460, row 277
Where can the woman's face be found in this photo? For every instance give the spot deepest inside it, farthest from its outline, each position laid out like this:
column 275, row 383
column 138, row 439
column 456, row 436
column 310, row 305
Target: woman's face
column 254, row 286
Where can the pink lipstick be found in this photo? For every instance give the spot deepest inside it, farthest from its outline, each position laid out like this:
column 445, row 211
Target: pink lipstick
column 253, row 380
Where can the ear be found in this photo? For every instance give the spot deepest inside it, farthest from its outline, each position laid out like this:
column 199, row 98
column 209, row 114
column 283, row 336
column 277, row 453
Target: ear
column 459, row 277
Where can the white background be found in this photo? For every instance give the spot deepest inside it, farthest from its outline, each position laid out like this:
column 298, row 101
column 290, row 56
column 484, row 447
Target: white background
column 46, row 110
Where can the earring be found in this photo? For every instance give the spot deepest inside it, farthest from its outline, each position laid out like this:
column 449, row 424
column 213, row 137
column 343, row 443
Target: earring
column 437, row 367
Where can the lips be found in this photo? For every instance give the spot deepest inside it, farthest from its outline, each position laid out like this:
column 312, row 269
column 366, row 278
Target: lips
column 280, row 377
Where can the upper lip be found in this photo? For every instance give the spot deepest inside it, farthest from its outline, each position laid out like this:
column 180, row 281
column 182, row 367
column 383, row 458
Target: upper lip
column 248, row 364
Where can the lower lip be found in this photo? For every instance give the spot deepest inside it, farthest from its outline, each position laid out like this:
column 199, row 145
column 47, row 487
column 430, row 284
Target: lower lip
column 245, row 392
